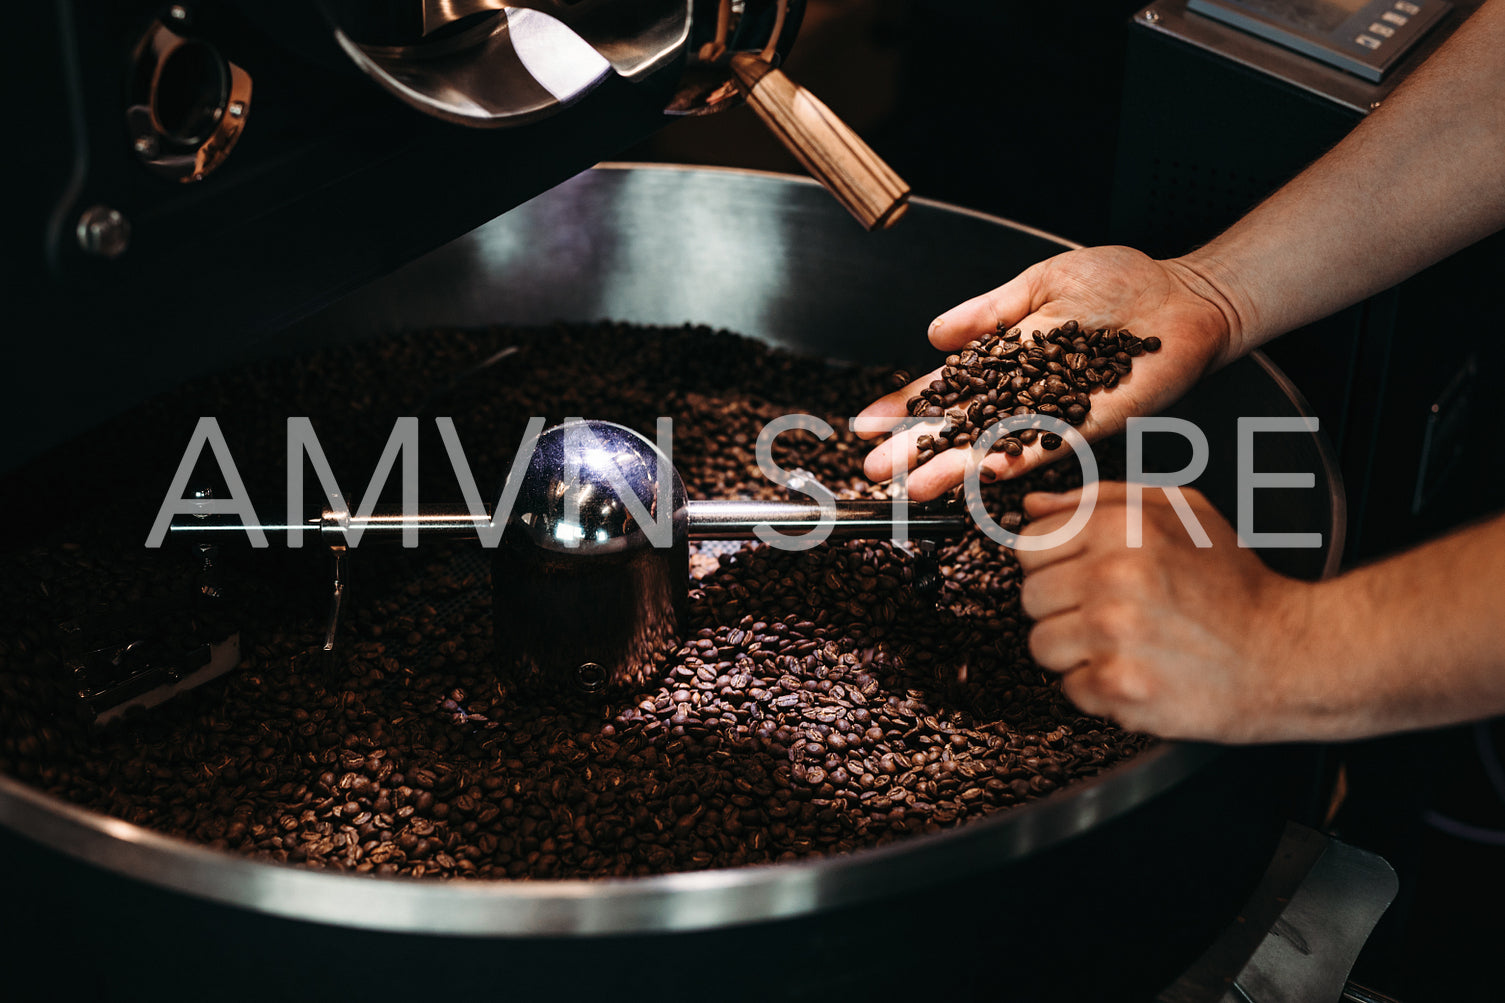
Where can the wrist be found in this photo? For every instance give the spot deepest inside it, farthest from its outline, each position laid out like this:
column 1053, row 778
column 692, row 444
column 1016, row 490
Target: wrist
column 1309, row 692
column 1208, row 277
column 1329, row 664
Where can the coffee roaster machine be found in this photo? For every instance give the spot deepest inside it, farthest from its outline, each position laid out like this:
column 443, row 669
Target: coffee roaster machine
column 172, row 242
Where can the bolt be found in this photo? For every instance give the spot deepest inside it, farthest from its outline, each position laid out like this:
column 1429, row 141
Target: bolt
column 146, row 146
column 237, row 109
column 1152, row 15
column 591, row 676
column 103, row 231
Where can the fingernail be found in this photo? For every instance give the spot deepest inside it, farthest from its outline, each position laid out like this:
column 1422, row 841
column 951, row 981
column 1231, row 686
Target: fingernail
column 988, row 477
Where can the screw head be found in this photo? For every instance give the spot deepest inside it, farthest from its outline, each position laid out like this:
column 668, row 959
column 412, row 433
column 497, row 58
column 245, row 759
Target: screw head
column 178, row 13
column 1152, row 15
column 236, row 109
column 146, row 146
column 103, row 232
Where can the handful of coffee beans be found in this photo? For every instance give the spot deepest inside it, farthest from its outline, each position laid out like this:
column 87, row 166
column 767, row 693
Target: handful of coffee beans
column 1005, row 375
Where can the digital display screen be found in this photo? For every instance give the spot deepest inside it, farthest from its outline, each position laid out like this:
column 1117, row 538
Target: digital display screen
column 1318, row 16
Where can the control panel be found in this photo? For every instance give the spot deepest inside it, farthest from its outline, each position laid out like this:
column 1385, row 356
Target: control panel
column 1364, row 37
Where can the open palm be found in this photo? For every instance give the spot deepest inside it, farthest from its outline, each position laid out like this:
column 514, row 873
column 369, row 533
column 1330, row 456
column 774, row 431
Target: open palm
column 1114, row 287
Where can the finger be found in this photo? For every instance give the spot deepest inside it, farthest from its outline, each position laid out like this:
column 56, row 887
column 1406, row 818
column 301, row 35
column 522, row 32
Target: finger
column 1053, row 590
column 949, row 468
column 1109, row 682
column 933, row 479
column 1038, row 504
column 1084, row 687
column 1035, row 455
column 901, row 452
column 868, row 423
column 898, row 453
column 1033, row 560
column 1057, row 644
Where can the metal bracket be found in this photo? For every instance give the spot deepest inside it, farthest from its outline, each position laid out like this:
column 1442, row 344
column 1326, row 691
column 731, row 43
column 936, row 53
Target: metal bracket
column 1299, row 933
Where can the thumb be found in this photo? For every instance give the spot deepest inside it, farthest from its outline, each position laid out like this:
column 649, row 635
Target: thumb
column 1038, row 504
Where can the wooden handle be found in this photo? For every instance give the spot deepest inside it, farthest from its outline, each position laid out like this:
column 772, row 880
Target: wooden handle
column 832, row 153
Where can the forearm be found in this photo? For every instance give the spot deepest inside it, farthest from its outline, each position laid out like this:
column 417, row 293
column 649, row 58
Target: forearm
column 1415, row 641
column 1421, row 177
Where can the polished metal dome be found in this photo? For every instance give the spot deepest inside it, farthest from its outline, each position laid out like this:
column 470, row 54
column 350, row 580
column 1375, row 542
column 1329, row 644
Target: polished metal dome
column 596, row 487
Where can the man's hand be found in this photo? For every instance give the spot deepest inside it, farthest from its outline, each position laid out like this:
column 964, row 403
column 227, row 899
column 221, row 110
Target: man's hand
column 1098, row 287
column 1167, row 638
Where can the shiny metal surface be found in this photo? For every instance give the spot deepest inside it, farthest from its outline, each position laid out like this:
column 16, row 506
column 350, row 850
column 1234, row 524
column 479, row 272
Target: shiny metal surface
column 752, row 26
column 1313, row 946
column 516, row 68
column 209, row 98
column 589, row 488
column 522, row 64
column 591, row 575
column 708, row 519
column 389, row 523
column 590, row 583
column 586, row 594
column 1172, row 18
column 772, row 257
column 103, row 231
column 674, row 902
column 635, row 36
column 851, row 519
column 1301, row 930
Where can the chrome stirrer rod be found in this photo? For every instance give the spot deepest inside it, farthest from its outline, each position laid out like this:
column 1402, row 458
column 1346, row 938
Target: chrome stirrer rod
column 706, row 519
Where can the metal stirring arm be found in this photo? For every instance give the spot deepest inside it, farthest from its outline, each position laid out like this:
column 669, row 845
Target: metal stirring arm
column 708, row 519
column 582, row 592
column 849, row 519
column 856, row 519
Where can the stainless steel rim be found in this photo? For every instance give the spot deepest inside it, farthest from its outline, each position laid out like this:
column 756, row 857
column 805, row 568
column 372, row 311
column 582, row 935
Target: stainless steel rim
column 1331, row 472
column 661, row 904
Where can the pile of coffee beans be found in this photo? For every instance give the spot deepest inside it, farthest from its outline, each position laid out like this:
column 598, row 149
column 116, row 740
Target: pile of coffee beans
column 819, row 702
column 1005, row 375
